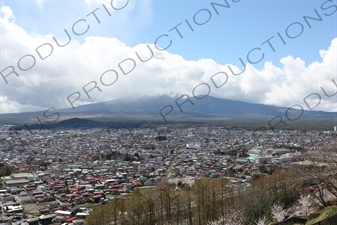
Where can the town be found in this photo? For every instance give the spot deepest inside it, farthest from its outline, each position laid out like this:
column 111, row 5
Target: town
column 58, row 176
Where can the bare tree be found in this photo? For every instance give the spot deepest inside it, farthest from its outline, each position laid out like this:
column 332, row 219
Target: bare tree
column 320, row 171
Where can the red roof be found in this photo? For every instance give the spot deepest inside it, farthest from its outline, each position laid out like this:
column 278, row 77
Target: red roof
column 96, row 196
column 39, row 196
column 60, row 217
column 71, row 219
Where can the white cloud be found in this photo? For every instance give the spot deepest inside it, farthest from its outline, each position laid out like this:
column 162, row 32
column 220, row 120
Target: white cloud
column 118, row 4
column 7, row 13
column 68, row 69
column 40, row 3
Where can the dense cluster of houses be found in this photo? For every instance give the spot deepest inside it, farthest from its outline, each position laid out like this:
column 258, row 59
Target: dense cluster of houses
column 54, row 176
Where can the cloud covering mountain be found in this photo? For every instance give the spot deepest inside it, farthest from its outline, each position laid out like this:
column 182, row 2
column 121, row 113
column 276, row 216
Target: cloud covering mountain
column 102, row 69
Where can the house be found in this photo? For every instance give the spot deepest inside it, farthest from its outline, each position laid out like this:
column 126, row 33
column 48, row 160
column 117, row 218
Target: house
column 15, row 183
column 13, row 209
column 24, row 199
column 78, row 222
column 193, row 146
column 242, row 161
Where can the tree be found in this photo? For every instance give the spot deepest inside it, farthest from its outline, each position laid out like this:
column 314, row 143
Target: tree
column 207, row 201
column 128, row 157
column 98, row 216
column 5, row 170
column 320, row 171
column 135, row 209
column 278, row 212
column 262, row 221
column 43, row 163
column 94, row 158
column 232, row 216
column 304, row 206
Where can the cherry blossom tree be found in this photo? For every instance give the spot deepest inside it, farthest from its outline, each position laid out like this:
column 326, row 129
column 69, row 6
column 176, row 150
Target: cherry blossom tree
column 278, row 212
column 190, row 181
column 262, row 221
column 304, row 206
column 320, row 171
column 232, row 216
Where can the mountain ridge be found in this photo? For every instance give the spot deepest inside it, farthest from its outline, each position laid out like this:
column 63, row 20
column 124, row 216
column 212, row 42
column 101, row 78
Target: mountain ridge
column 151, row 106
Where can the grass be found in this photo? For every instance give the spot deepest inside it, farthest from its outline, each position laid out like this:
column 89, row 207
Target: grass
column 91, row 205
column 325, row 213
column 144, row 190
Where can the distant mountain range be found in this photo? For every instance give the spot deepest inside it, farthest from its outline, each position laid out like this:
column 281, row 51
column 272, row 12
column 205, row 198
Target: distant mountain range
column 149, row 107
column 207, row 107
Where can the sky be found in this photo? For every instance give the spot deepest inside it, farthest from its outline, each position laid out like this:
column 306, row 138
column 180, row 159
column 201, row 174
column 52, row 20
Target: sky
column 271, row 52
